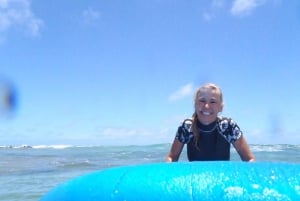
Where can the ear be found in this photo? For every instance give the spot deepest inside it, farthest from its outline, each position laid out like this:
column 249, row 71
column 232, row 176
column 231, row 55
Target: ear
column 221, row 107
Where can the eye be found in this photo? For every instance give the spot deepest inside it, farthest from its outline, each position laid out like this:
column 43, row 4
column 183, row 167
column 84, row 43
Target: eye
column 213, row 101
column 201, row 101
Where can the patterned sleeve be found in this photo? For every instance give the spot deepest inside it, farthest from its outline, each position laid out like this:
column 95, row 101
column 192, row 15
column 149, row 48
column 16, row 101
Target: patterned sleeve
column 184, row 133
column 229, row 129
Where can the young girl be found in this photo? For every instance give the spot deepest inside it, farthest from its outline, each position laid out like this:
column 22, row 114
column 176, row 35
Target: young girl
column 207, row 135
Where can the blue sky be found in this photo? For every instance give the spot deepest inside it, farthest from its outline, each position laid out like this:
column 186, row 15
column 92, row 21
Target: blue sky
column 125, row 72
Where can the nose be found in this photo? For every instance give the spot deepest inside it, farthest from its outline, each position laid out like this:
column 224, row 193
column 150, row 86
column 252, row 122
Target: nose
column 206, row 105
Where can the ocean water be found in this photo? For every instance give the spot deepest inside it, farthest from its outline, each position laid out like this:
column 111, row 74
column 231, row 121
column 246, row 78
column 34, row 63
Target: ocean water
column 27, row 173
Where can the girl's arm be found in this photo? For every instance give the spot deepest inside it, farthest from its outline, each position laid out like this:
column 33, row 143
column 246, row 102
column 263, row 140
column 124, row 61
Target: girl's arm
column 175, row 151
column 243, row 149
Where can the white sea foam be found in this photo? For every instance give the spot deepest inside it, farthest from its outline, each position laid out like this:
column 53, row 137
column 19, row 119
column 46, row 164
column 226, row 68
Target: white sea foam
column 58, row 146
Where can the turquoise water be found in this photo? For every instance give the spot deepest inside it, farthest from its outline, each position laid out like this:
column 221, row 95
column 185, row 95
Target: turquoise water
column 28, row 173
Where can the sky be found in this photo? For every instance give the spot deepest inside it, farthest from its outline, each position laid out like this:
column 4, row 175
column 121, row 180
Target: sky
column 118, row 72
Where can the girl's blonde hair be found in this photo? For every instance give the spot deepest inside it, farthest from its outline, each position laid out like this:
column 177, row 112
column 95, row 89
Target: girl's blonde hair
column 203, row 88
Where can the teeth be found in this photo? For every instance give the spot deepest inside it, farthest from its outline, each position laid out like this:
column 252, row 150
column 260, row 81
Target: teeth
column 206, row 113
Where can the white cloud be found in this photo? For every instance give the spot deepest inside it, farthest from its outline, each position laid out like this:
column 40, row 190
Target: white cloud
column 18, row 14
column 244, row 7
column 218, row 3
column 236, row 7
column 260, row 136
column 207, row 16
column 210, row 13
column 90, row 16
column 182, row 92
column 133, row 136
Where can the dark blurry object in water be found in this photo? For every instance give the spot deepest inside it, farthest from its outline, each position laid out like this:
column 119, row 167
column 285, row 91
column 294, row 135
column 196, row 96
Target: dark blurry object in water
column 8, row 98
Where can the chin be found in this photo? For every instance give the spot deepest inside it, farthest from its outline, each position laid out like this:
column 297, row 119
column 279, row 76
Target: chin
column 206, row 121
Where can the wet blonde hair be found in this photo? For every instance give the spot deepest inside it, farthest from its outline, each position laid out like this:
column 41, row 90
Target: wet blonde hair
column 200, row 90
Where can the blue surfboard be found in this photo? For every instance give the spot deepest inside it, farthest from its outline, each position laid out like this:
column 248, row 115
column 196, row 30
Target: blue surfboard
column 184, row 181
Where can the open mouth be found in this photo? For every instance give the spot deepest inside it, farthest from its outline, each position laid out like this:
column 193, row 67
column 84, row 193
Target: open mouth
column 206, row 113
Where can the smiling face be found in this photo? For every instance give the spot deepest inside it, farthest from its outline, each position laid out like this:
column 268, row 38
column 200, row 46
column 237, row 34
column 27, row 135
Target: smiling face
column 208, row 103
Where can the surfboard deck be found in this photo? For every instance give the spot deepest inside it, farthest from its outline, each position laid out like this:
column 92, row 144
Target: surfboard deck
column 186, row 181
